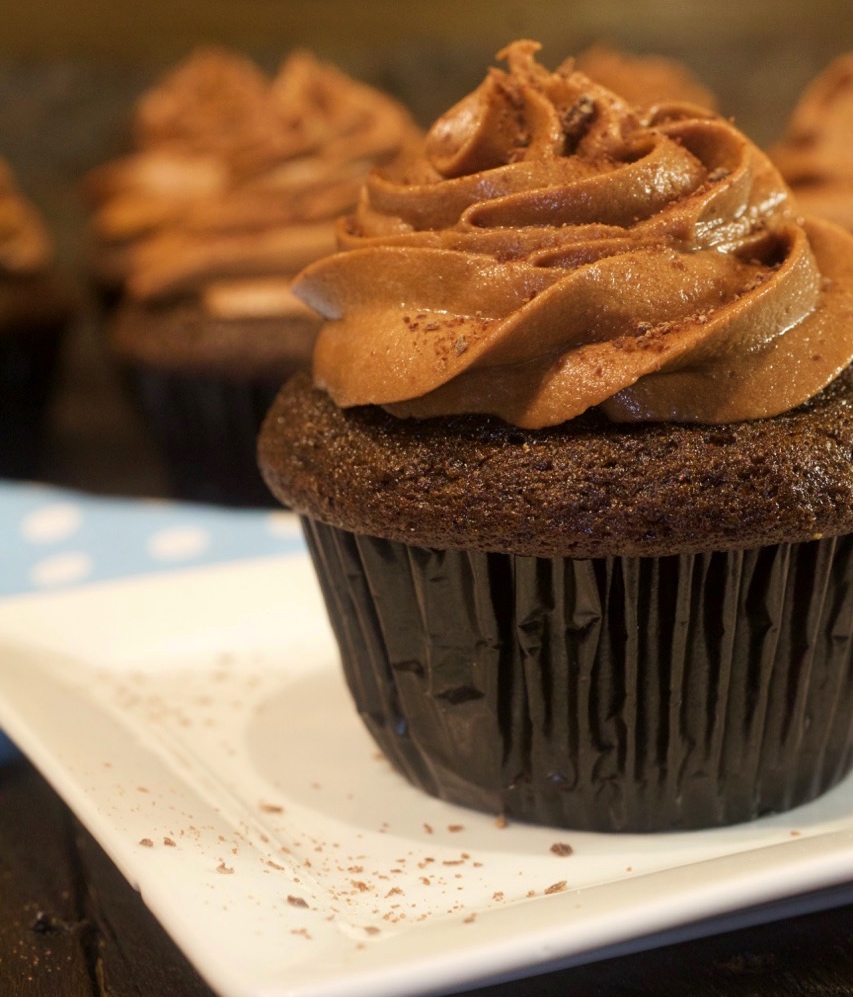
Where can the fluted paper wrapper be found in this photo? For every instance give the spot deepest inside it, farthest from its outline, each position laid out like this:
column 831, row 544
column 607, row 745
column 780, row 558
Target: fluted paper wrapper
column 618, row 694
column 206, row 429
column 28, row 363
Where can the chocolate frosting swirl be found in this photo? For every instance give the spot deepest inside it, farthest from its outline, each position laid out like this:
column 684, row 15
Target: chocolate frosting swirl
column 551, row 248
column 237, row 178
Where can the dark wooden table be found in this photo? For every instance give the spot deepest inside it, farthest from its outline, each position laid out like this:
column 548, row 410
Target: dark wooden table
column 71, row 926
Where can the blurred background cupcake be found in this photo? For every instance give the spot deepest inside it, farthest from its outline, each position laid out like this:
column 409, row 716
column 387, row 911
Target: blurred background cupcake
column 644, row 79
column 235, row 183
column 815, row 153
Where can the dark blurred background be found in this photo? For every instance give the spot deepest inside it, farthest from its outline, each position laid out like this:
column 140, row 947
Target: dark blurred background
column 70, row 70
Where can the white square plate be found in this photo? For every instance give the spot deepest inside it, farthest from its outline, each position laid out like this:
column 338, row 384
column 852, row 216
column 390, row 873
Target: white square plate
column 198, row 725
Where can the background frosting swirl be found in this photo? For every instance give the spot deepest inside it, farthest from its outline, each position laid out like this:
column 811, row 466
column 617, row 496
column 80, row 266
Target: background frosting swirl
column 26, row 246
column 237, row 179
column 815, row 155
column 550, row 248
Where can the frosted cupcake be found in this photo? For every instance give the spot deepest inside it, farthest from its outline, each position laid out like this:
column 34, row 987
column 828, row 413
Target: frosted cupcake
column 235, row 185
column 576, row 472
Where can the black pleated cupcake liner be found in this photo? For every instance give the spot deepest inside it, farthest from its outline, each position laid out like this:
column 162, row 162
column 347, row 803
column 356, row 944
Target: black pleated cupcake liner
column 206, row 429
column 28, row 364
column 619, row 694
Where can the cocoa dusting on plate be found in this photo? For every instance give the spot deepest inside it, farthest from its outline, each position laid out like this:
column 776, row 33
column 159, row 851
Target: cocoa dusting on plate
column 562, row 849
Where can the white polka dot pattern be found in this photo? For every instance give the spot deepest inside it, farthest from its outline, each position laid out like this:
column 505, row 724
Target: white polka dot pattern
column 53, row 538
column 61, row 569
column 177, row 543
column 51, row 522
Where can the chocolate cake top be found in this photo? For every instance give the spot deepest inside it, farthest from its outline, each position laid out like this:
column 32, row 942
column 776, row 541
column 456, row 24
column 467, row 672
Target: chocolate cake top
column 585, row 488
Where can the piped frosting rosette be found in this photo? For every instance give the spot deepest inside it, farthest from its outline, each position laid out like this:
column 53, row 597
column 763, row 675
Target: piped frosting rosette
column 550, row 248
column 237, row 178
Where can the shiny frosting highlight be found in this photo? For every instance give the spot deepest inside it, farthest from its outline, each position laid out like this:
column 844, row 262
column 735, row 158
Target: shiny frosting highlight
column 551, row 248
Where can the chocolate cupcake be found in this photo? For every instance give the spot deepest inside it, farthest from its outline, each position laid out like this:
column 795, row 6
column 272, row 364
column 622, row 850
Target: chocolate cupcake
column 36, row 306
column 576, row 473
column 235, row 185
column 815, row 153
